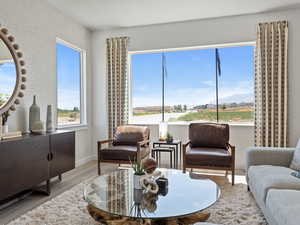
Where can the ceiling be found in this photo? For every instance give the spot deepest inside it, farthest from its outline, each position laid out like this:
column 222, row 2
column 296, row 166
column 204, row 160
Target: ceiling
column 107, row 14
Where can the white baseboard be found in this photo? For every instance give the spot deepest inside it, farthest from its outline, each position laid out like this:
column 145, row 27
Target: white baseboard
column 85, row 160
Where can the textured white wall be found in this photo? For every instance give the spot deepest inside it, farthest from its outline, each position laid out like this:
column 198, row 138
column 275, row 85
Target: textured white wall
column 35, row 24
column 196, row 33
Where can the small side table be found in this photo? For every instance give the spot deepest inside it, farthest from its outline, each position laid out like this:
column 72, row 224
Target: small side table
column 156, row 153
column 178, row 149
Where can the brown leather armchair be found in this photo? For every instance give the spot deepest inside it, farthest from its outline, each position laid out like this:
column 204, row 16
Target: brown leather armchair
column 130, row 143
column 208, row 148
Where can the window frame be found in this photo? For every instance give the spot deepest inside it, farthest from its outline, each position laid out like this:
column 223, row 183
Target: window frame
column 83, row 109
column 198, row 47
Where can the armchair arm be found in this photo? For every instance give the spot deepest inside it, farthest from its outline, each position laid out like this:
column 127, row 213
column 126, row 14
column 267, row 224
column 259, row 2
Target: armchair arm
column 232, row 149
column 143, row 143
column 232, row 152
column 103, row 142
column 139, row 146
column 269, row 156
column 185, row 145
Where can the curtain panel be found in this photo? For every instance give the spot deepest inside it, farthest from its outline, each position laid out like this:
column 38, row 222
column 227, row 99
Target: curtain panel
column 117, row 83
column 271, row 84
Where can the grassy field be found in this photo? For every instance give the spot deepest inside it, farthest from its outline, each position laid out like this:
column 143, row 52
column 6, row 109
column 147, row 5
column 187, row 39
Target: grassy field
column 3, row 99
column 68, row 116
column 244, row 114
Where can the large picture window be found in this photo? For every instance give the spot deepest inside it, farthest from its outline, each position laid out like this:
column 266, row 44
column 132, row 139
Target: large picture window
column 70, row 85
column 199, row 84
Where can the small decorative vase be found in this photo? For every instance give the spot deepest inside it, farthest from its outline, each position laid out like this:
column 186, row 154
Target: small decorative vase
column 162, row 183
column 137, row 196
column 163, row 130
column 4, row 129
column 38, row 127
column 136, row 181
column 34, row 114
column 49, row 124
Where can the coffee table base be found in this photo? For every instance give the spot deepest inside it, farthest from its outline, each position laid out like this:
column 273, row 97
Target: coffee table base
column 108, row 219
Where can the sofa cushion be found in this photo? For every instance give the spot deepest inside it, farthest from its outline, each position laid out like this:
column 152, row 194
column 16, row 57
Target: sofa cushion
column 284, row 206
column 131, row 135
column 295, row 165
column 208, row 157
column 266, row 177
column 122, row 152
column 209, row 135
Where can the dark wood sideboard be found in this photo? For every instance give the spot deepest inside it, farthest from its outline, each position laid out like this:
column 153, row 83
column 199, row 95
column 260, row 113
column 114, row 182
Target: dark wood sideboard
column 28, row 161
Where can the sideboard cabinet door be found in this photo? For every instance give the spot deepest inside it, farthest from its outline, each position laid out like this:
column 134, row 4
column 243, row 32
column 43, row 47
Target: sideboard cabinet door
column 62, row 147
column 23, row 164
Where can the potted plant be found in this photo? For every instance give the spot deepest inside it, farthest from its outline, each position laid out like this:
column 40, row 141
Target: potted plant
column 169, row 138
column 138, row 173
column 5, row 116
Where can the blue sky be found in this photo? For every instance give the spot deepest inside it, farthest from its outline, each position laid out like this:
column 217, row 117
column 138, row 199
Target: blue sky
column 191, row 77
column 68, row 77
column 7, row 78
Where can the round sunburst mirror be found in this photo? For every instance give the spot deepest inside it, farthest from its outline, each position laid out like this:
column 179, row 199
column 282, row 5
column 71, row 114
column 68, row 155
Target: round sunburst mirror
column 12, row 72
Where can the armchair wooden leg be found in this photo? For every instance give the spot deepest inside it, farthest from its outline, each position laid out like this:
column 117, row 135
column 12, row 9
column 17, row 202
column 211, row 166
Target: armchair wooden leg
column 232, row 176
column 99, row 159
column 99, row 168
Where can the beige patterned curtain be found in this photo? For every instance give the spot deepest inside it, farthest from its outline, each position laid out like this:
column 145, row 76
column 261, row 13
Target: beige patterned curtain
column 117, row 83
column 271, row 84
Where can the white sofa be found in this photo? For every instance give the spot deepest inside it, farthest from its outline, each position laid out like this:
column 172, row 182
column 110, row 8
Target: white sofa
column 275, row 190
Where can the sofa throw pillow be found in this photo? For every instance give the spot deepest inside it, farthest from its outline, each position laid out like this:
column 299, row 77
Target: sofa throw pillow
column 295, row 165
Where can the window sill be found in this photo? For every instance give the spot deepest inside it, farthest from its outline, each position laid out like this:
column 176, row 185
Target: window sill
column 187, row 123
column 77, row 127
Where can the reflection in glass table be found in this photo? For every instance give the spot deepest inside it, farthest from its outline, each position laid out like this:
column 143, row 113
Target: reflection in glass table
column 185, row 194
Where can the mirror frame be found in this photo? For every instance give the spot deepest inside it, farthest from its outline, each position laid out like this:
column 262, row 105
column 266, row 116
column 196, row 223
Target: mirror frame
column 14, row 99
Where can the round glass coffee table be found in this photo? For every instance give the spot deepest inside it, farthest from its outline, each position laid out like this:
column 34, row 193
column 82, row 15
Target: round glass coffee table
column 111, row 197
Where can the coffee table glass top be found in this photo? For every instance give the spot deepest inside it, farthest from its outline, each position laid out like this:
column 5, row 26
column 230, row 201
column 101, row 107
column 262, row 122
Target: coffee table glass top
column 185, row 194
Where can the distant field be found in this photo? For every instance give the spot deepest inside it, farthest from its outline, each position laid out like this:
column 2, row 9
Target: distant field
column 145, row 113
column 242, row 114
column 68, row 117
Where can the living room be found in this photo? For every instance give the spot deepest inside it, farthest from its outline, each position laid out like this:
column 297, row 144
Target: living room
column 63, row 38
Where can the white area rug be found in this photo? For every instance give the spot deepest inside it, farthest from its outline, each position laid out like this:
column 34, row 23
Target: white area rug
column 235, row 207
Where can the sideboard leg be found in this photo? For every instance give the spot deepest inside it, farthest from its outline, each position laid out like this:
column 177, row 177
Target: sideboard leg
column 48, row 188
column 60, row 177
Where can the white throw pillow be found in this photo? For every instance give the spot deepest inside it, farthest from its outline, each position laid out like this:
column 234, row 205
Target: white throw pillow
column 295, row 165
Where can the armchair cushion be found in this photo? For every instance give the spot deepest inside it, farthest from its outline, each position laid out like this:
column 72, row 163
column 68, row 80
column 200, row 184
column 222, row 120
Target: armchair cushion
column 130, row 135
column 209, row 135
column 123, row 152
column 208, row 157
